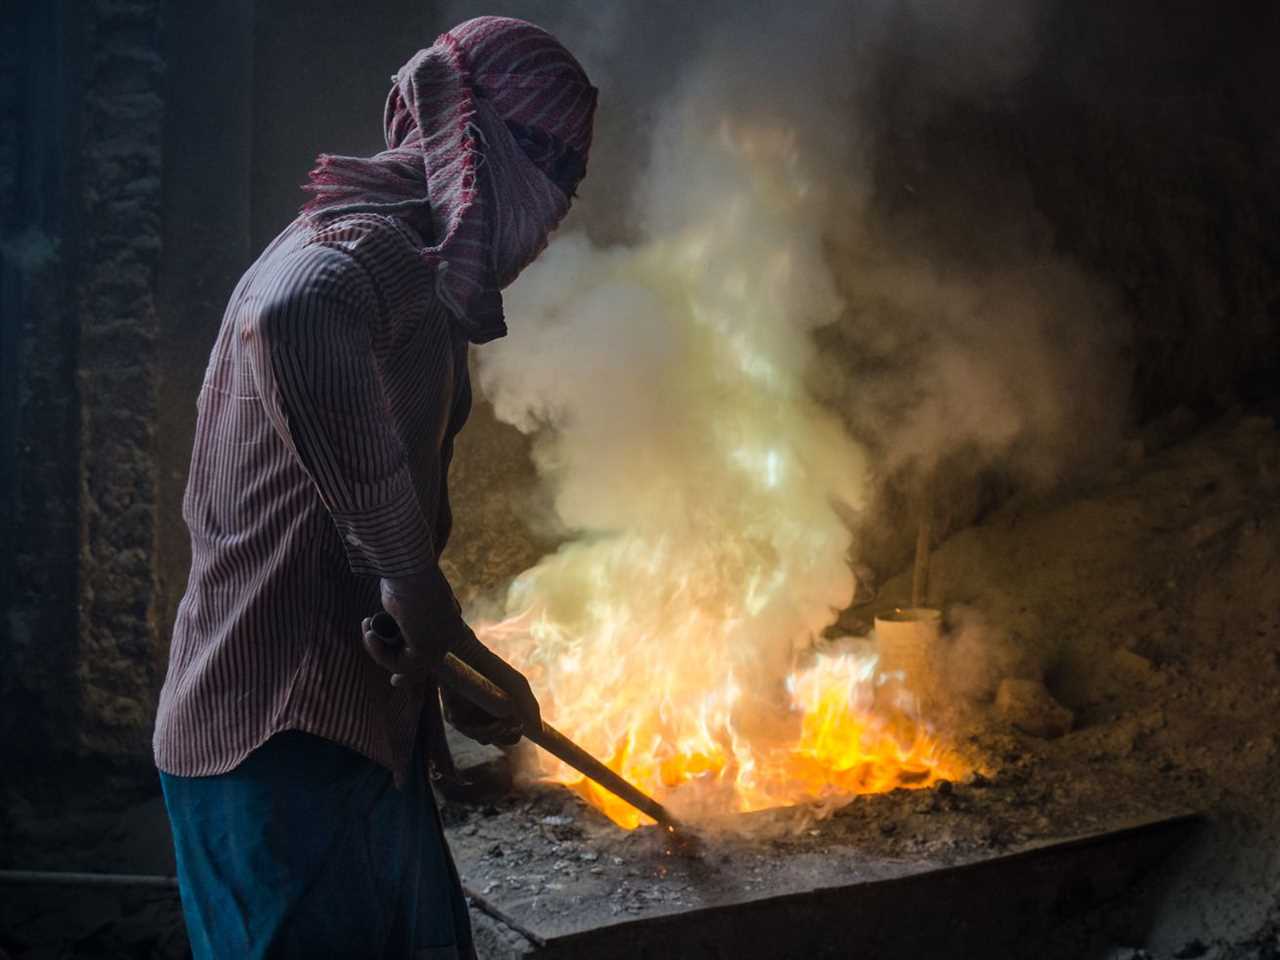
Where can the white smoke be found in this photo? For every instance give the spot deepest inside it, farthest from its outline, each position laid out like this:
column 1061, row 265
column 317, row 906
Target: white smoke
column 736, row 339
column 961, row 331
column 665, row 380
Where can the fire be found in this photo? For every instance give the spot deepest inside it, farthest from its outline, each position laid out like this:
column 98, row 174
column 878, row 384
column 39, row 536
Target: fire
column 673, row 636
column 692, row 756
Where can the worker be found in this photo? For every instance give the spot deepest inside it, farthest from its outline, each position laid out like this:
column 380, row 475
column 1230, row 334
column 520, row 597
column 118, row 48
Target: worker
column 295, row 746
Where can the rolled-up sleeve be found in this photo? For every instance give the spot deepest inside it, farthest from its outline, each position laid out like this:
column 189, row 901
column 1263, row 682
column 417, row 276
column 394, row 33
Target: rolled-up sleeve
column 312, row 338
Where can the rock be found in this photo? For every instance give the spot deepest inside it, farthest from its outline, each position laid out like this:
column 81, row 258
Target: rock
column 1027, row 705
column 1123, row 736
column 485, row 771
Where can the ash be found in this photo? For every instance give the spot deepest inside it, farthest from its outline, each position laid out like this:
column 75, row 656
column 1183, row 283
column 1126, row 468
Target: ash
column 541, row 857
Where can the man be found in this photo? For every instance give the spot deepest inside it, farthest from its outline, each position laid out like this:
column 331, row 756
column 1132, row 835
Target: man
column 292, row 753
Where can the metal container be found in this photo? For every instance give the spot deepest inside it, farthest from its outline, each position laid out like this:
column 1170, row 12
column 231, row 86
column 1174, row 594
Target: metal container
column 909, row 643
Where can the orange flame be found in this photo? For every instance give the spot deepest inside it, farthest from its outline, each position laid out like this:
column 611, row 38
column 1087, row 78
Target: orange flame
column 834, row 742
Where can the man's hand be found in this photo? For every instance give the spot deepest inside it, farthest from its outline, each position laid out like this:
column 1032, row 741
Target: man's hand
column 425, row 635
column 525, row 712
column 431, row 626
column 477, row 723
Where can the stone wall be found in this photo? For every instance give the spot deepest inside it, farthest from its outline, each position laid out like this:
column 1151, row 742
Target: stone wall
column 121, row 154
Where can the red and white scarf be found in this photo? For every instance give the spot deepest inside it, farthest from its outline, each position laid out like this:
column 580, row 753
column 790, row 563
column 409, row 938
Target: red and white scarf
column 489, row 129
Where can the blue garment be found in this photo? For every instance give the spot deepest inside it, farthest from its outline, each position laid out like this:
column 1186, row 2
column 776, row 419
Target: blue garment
column 308, row 850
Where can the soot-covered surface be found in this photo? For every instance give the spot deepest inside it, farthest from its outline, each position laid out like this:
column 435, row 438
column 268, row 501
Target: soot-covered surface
column 567, row 882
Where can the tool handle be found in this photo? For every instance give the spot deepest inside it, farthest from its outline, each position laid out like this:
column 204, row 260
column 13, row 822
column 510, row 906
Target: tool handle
column 454, row 673
column 468, row 682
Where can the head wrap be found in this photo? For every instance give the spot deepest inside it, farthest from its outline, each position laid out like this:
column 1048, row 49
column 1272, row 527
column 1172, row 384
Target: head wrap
column 489, row 129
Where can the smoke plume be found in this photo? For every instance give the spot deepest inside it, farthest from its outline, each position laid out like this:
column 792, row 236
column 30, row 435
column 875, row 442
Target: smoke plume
column 958, row 331
column 768, row 304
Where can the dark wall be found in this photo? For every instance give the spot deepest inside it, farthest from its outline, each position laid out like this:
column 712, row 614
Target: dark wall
column 39, row 406
column 1148, row 136
column 321, row 73
column 1152, row 131
column 160, row 144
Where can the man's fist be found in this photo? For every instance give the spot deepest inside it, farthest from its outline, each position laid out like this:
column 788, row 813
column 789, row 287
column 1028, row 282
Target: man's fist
column 477, row 723
column 431, row 625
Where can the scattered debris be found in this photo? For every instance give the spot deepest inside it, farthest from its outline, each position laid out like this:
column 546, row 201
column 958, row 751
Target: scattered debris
column 1032, row 709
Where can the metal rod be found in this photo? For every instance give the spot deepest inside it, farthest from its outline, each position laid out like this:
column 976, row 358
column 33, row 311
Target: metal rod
column 467, row 682
column 920, row 571
column 67, row 879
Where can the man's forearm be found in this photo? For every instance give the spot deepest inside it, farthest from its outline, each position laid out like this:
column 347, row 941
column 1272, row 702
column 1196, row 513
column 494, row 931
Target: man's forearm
column 431, row 591
column 429, row 588
column 425, row 607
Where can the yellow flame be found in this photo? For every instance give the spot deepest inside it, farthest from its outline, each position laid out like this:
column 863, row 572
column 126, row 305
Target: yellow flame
column 691, row 756
column 666, row 641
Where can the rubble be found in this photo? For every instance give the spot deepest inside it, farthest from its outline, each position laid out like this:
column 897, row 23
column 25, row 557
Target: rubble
column 642, row 897
column 1032, row 709
column 483, row 770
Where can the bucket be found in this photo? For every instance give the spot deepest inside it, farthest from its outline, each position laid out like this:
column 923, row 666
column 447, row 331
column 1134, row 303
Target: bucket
column 909, row 642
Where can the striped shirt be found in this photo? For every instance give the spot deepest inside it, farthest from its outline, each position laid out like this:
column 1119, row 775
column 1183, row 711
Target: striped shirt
column 324, row 433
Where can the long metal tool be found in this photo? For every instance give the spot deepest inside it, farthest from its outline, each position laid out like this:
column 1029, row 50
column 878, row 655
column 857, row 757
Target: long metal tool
column 467, row 682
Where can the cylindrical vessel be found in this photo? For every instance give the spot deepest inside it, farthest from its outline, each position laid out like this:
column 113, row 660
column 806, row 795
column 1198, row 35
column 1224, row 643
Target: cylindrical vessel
column 909, row 642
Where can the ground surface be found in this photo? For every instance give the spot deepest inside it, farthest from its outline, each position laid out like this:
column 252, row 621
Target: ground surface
column 1149, row 604
column 557, row 874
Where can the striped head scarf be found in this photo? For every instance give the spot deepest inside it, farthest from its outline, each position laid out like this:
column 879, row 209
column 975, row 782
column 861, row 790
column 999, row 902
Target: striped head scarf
column 489, row 129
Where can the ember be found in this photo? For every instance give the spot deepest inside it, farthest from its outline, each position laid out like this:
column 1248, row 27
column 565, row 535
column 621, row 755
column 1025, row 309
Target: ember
column 674, row 637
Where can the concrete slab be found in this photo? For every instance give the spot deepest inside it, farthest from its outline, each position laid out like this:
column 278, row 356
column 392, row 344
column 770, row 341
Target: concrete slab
column 910, row 874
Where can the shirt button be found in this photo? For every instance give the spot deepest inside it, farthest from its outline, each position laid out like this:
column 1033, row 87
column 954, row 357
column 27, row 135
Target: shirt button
column 354, row 540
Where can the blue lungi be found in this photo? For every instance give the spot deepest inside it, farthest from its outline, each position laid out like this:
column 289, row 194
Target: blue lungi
column 308, row 850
